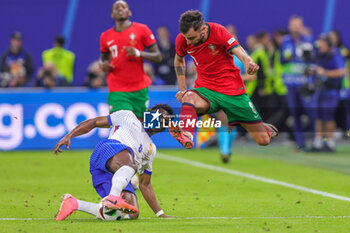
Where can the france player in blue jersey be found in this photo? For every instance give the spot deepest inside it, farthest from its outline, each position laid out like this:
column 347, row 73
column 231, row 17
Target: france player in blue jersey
column 114, row 161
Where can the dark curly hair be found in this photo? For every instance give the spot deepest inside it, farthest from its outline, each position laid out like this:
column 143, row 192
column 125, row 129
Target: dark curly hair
column 166, row 107
column 189, row 19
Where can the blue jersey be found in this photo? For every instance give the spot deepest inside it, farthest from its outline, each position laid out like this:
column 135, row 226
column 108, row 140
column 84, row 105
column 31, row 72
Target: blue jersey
column 332, row 61
column 292, row 59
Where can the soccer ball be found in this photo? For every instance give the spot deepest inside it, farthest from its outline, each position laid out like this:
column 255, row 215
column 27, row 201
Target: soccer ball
column 112, row 215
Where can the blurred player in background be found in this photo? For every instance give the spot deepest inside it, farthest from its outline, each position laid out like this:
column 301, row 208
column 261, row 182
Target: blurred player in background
column 329, row 73
column 296, row 52
column 16, row 64
column 122, row 53
column 219, row 85
column 345, row 92
column 62, row 59
column 114, row 161
column 165, row 69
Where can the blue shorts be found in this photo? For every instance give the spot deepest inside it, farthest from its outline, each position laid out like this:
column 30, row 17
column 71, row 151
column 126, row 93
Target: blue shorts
column 326, row 104
column 101, row 177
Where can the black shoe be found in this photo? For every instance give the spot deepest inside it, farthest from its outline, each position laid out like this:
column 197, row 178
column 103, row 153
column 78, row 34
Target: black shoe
column 225, row 158
column 328, row 149
column 315, row 149
column 299, row 149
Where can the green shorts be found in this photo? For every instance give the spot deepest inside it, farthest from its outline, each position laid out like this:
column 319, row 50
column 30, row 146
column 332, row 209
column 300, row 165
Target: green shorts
column 136, row 101
column 238, row 108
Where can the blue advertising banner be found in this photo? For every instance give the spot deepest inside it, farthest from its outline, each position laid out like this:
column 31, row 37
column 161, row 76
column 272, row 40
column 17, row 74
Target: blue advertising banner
column 37, row 118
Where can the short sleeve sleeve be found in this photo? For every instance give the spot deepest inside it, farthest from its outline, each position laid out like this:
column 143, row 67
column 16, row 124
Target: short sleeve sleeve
column 148, row 37
column 180, row 45
column 339, row 61
column 121, row 117
column 147, row 168
column 226, row 39
column 103, row 45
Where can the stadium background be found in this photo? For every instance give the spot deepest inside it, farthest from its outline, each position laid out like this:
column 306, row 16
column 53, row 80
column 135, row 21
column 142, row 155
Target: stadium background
column 82, row 22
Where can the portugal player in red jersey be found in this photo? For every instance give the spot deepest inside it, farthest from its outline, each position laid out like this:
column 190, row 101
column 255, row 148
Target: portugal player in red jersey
column 219, row 85
column 122, row 53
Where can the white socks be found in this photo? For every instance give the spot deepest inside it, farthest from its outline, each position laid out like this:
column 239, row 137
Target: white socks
column 330, row 143
column 89, row 207
column 94, row 209
column 121, row 179
column 318, row 142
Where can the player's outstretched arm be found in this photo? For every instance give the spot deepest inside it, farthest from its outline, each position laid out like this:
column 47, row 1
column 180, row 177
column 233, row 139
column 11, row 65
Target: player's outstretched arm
column 149, row 195
column 250, row 66
column 83, row 128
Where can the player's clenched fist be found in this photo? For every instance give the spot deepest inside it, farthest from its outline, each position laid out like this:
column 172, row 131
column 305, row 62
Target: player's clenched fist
column 252, row 68
column 131, row 51
column 180, row 95
column 106, row 66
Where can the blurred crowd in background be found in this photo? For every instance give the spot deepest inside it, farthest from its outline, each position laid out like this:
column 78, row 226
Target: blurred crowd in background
column 302, row 77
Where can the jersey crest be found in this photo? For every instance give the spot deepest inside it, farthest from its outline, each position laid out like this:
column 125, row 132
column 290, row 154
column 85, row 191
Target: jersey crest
column 132, row 39
column 213, row 49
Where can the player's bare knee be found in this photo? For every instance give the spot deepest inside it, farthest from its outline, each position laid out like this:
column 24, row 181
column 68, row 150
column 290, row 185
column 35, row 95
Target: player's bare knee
column 263, row 140
column 121, row 159
column 189, row 97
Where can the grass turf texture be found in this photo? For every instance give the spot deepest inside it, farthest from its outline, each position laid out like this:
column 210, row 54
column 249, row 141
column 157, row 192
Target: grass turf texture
column 31, row 185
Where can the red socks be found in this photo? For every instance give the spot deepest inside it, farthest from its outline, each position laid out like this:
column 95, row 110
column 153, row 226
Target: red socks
column 188, row 115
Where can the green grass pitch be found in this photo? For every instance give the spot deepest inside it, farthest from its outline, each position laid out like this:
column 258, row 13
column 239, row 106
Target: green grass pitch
column 203, row 199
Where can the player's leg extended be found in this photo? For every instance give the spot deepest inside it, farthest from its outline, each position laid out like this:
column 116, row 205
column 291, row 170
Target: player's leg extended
column 261, row 132
column 70, row 204
column 192, row 104
column 123, row 167
column 102, row 182
column 113, row 157
column 240, row 110
column 130, row 198
column 225, row 136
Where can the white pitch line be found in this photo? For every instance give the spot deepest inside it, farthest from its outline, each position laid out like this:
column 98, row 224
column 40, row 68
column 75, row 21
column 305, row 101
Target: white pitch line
column 191, row 218
column 250, row 176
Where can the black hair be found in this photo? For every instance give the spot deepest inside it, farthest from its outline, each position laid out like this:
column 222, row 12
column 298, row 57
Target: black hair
column 16, row 35
column 166, row 107
column 282, row 32
column 121, row 1
column 60, row 40
column 191, row 19
column 296, row 17
column 327, row 39
column 260, row 35
column 340, row 42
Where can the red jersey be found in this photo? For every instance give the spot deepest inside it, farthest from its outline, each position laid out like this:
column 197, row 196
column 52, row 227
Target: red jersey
column 128, row 74
column 215, row 68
